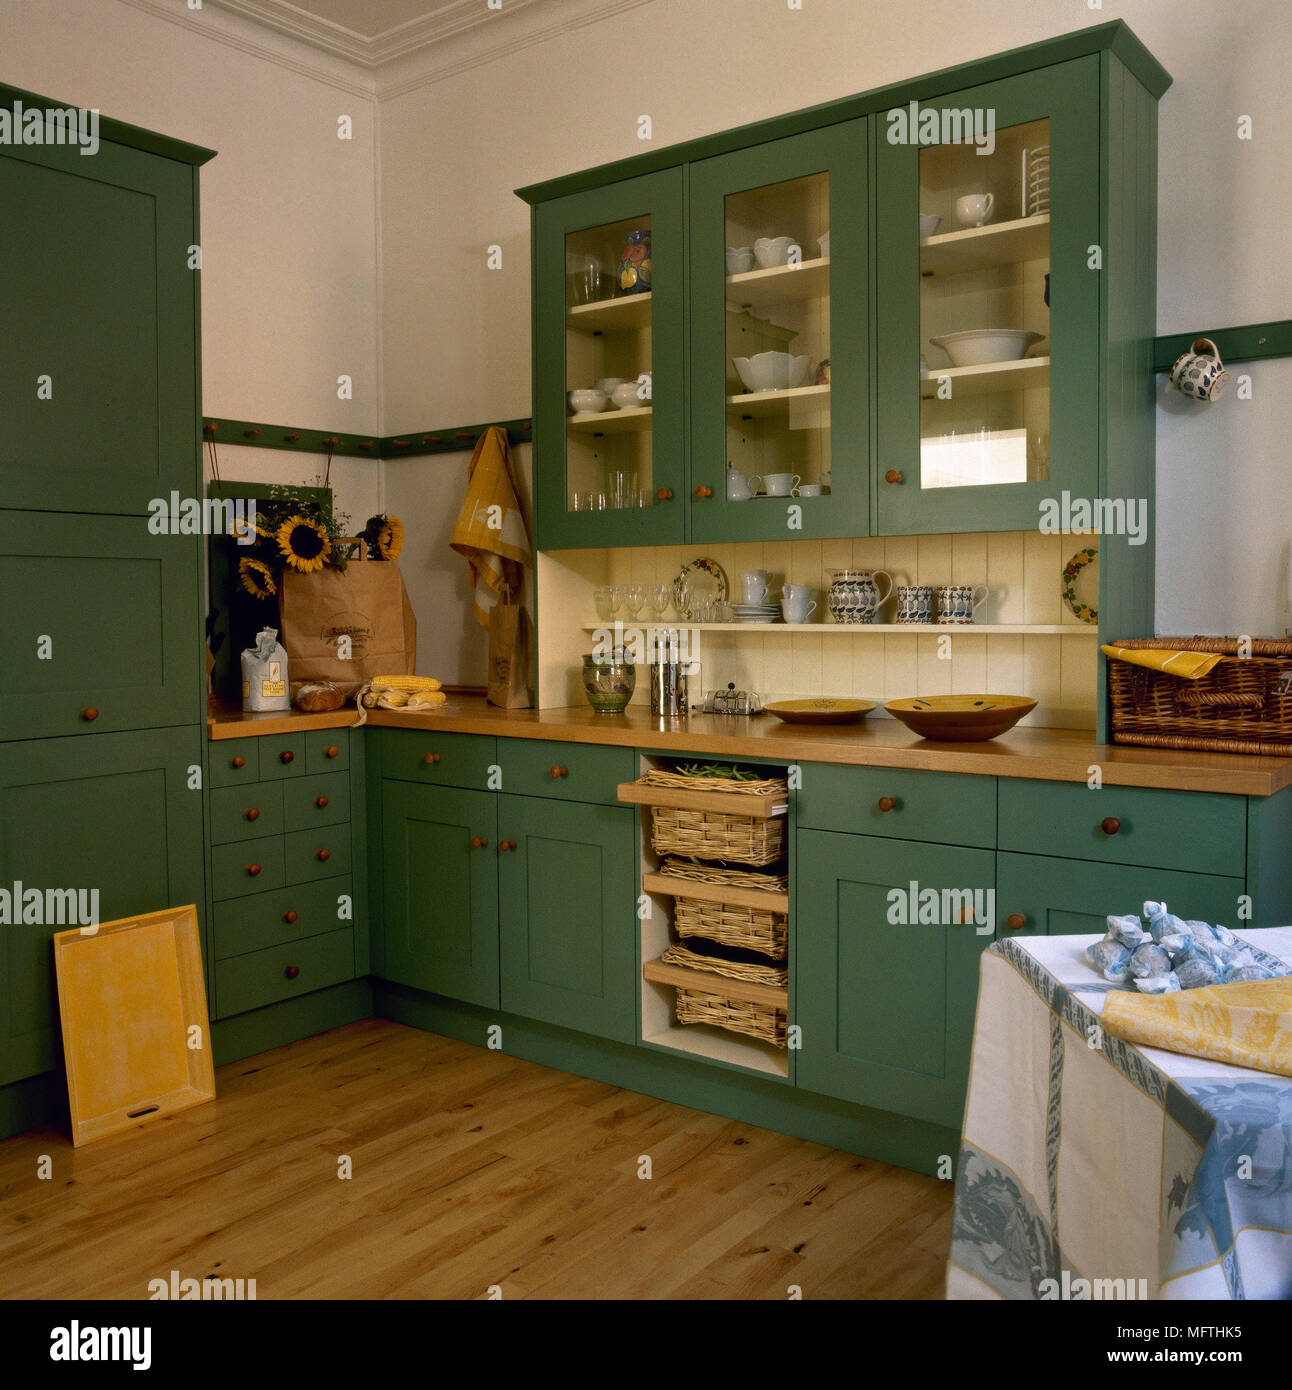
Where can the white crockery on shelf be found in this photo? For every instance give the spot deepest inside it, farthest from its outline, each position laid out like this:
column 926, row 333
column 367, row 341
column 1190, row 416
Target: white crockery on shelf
column 739, row 259
column 772, row 371
column 606, row 385
column 626, row 396
column 587, row 401
column 976, row 347
column 773, row 251
column 928, row 224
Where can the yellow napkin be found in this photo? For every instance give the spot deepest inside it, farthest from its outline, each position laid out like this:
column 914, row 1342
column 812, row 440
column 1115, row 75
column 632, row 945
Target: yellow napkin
column 1247, row 1024
column 1192, row 666
column 496, row 553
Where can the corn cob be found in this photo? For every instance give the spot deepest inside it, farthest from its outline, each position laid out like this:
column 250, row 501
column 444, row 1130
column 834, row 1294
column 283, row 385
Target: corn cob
column 406, row 682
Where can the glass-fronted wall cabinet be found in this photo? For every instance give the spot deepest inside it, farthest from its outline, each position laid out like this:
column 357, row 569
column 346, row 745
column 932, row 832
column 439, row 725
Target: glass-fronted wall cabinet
column 987, row 293
column 779, row 314
column 609, row 465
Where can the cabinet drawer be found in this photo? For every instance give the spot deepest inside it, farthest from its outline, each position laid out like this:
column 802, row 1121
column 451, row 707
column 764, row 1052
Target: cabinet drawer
column 570, row 771
column 327, row 750
column 948, row 808
column 1202, row 832
column 310, row 854
column 281, row 972
column 234, row 762
column 239, row 869
column 449, row 760
column 316, row 799
column 282, row 755
column 246, row 813
column 272, row 919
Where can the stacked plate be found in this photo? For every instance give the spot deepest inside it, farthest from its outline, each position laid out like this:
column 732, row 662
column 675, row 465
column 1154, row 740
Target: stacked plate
column 756, row 612
column 1036, row 180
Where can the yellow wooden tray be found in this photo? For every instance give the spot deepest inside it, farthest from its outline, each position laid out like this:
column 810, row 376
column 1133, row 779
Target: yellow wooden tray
column 136, row 1037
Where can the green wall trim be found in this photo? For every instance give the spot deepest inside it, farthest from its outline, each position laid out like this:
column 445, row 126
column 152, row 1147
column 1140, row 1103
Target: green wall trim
column 1243, row 344
column 1115, row 35
column 746, row 1097
column 118, row 132
column 298, row 440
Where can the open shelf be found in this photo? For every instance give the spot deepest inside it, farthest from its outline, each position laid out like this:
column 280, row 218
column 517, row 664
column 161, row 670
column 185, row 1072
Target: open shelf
column 1073, row 629
column 755, row 403
column 1022, row 375
column 683, row 977
column 611, row 421
column 763, row 289
column 757, row 805
column 763, row 899
column 951, row 253
column 623, row 315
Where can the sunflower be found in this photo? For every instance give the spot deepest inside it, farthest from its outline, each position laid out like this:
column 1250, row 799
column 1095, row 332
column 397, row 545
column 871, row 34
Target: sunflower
column 257, row 578
column 390, row 539
column 241, row 528
column 304, row 544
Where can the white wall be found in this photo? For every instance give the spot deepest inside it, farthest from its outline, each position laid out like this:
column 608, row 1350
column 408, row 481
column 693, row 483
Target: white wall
column 456, row 335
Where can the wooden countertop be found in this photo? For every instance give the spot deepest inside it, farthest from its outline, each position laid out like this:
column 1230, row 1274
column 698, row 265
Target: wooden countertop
column 1053, row 755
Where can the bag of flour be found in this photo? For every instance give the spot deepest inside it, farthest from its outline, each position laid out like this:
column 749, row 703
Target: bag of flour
column 264, row 674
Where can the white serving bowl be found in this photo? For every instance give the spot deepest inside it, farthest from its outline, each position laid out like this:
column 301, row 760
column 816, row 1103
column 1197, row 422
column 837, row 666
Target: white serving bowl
column 625, row 396
column 772, row 371
column 587, row 401
column 606, row 385
column 739, row 259
column 976, row 347
column 770, row 251
column 929, row 222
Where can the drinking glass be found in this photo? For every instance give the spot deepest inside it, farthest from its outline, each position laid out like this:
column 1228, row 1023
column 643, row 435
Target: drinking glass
column 634, row 597
column 604, row 598
column 659, row 599
column 616, row 597
column 680, row 596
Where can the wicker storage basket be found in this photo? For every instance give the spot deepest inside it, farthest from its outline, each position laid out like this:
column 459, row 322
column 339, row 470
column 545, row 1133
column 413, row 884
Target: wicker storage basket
column 716, row 835
column 747, row 927
column 1243, row 705
column 768, row 1022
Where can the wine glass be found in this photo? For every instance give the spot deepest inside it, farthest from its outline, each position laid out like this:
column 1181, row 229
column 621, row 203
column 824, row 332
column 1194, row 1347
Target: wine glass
column 604, row 598
column 681, row 597
column 659, row 599
column 634, row 597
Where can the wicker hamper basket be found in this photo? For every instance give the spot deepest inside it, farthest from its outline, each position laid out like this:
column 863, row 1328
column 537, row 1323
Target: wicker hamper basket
column 1243, row 705
column 756, row 1020
column 722, row 835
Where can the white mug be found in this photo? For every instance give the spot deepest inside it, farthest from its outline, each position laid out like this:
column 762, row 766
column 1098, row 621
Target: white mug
column 811, row 490
column 797, row 610
column 754, row 585
column 974, row 209
column 777, row 484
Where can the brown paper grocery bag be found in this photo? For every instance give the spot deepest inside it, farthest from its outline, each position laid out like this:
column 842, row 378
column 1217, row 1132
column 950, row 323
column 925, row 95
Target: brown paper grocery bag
column 365, row 603
column 509, row 656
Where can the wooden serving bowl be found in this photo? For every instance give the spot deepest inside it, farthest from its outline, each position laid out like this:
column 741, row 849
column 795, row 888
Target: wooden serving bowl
column 960, row 718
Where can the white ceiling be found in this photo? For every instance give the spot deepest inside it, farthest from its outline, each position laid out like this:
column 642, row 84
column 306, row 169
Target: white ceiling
column 368, row 18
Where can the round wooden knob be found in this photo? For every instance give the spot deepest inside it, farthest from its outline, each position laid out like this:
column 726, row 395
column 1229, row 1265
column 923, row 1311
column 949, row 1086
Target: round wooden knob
column 323, row 855
column 289, row 916
column 286, row 756
column 90, row 714
column 292, row 971
column 1016, row 921
column 431, row 759
column 252, row 813
column 664, row 494
column 478, row 842
column 320, row 802
column 703, row 491
column 1110, row 825
column 253, row 869
column 331, row 751
column 892, row 476
column 239, row 761
column 504, row 845
column 560, row 772
column 886, row 803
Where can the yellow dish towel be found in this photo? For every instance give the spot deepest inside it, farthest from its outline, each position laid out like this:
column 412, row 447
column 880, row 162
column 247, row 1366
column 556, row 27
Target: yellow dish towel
column 490, row 529
column 1192, row 666
column 1247, row 1024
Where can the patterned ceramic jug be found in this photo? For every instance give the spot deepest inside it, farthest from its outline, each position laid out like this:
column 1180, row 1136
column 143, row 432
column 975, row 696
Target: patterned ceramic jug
column 634, row 263
column 854, row 596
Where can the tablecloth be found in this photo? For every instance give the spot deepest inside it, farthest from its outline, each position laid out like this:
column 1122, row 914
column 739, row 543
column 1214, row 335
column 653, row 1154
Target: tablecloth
column 1093, row 1168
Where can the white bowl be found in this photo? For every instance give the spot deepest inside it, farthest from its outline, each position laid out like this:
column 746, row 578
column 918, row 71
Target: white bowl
column 928, row 224
column 625, row 396
column 739, row 259
column 606, row 385
column 976, row 347
column 770, row 251
column 587, row 401
column 824, row 243
column 772, row 371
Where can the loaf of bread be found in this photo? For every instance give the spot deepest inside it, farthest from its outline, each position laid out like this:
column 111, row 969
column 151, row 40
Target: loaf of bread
column 317, row 697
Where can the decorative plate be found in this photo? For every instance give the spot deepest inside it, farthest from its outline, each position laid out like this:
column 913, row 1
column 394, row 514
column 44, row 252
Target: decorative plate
column 1070, row 572
column 820, row 711
column 960, row 718
column 705, row 583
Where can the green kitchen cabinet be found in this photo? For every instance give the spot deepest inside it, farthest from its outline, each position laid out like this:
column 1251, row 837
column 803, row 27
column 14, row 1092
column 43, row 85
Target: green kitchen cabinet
column 439, row 869
column 886, row 1003
column 616, row 477
column 567, row 914
column 124, row 821
column 98, row 359
column 813, row 189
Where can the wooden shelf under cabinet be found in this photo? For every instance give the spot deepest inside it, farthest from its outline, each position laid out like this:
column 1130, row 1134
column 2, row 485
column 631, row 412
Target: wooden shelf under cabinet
column 731, row 894
column 680, row 977
column 611, row 421
column 756, row 805
column 771, row 402
column 624, row 315
column 764, row 289
column 1002, row 243
column 1025, row 374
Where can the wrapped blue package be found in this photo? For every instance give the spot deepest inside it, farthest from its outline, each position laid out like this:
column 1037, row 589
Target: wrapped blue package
column 1148, row 960
column 1196, row 972
column 1175, row 942
column 1203, row 931
column 1225, row 936
column 1168, row 924
column 1158, row 984
column 1236, row 974
column 1125, row 931
column 1152, row 910
column 1110, row 959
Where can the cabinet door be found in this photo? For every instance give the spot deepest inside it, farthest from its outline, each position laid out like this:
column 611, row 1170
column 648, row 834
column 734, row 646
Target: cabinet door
column 986, row 435
column 568, row 914
column 99, row 299
column 104, row 636
column 1060, row 897
column 116, row 816
column 886, row 1004
column 608, row 305
column 440, row 891
column 780, row 372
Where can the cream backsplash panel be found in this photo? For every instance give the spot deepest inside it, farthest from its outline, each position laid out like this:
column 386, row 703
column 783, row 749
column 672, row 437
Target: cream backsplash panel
column 1021, row 569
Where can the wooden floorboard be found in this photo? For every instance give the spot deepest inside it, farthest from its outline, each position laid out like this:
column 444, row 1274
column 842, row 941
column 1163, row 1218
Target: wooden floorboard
column 470, row 1169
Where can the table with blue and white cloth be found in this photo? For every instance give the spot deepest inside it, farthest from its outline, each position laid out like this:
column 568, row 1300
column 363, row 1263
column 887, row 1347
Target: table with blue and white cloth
column 1086, row 1158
